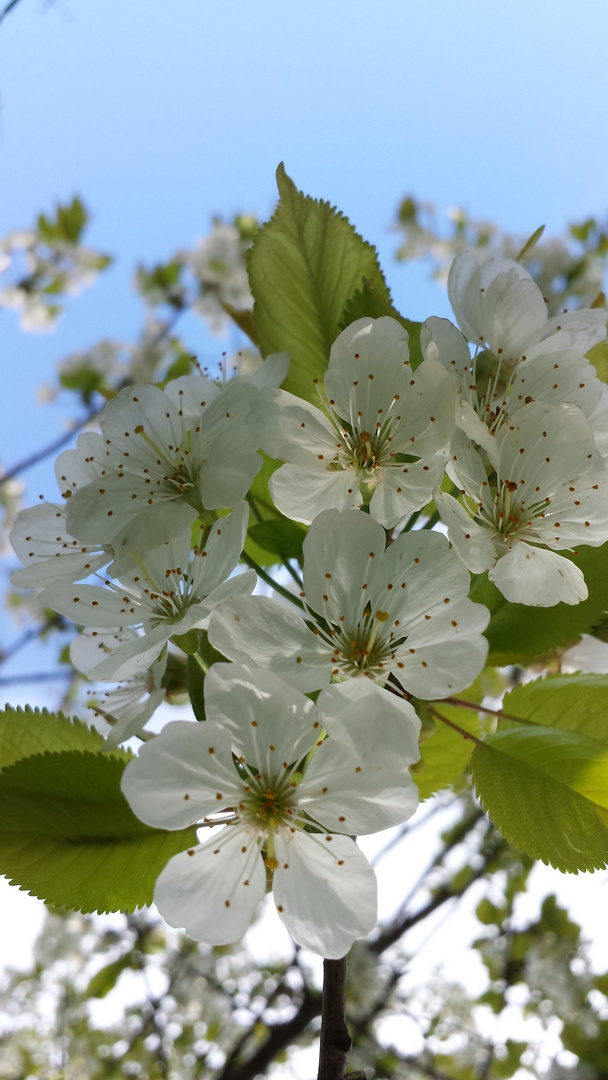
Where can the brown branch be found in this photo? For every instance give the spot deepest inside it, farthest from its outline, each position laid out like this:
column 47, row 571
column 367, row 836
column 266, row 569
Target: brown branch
column 335, row 1039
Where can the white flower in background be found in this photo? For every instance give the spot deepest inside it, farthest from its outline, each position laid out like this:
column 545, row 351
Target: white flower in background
column 11, row 493
column 171, row 591
column 549, row 495
column 126, row 708
column 499, row 307
column 490, row 393
column 168, row 456
column 218, row 263
column 369, row 613
column 289, row 802
column 380, row 439
column 49, row 553
column 590, row 654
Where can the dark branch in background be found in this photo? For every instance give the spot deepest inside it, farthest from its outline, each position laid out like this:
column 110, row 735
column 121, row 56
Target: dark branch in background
column 8, row 8
column 400, row 926
column 38, row 677
column 52, row 448
column 54, row 622
column 280, row 1037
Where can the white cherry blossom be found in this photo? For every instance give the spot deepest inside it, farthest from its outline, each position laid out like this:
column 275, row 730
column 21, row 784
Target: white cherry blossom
column 289, row 801
column 40, row 537
column 169, row 592
column 549, row 494
column 490, row 391
column 370, row 613
column 378, row 438
column 499, row 307
column 168, row 456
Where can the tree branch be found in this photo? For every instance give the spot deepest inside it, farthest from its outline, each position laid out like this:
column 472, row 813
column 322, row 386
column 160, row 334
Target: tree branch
column 335, row 1039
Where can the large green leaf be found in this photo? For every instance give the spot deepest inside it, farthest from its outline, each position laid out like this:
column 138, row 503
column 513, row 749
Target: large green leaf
column 547, row 791
column 518, row 632
column 305, row 265
column 375, row 303
column 30, row 731
column 577, row 703
column 69, row 836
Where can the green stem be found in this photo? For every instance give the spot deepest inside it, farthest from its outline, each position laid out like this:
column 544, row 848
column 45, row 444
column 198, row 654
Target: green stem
column 270, row 581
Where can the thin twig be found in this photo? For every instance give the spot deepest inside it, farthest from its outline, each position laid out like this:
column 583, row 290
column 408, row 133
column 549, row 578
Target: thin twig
column 270, row 580
column 52, row 448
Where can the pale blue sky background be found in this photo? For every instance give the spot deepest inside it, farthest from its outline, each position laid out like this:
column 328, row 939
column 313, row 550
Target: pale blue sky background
column 160, row 113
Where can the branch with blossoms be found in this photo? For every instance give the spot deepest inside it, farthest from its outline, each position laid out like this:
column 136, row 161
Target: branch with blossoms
column 316, row 717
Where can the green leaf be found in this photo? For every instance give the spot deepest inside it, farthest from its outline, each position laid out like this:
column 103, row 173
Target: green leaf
column 374, row 303
column 445, row 754
column 547, row 791
column 243, row 318
column 577, row 703
column 280, row 537
column 530, row 243
column 598, row 356
column 518, row 632
column 105, row 979
column 263, row 511
column 305, row 265
column 69, row 836
column 29, row 731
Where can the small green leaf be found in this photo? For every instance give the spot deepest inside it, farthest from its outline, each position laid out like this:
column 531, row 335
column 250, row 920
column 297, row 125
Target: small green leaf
column 547, row 791
column 105, row 979
column 598, row 356
column 305, row 265
column 531, row 242
column 69, row 836
column 518, row 632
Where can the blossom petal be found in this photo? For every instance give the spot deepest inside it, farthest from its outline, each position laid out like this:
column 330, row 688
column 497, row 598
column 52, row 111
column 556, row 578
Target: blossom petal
column 264, row 631
column 302, row 493
column 368, row 365
column 472, row 543
column 183, row 775
column 213, row 890
column 341, row 551
column 325, row 891
column 270, row 722
column 537, row 577
column 402, row 489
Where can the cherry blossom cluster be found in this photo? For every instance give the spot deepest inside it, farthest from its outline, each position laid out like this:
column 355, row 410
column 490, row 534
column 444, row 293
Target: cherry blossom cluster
column 499, row 434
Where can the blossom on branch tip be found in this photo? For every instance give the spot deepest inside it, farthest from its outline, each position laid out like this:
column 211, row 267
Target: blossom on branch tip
column 499, row 307
column 548, row 493
column 167, row 456
column 289, row 801
column 378, row 437
column 370, row 613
